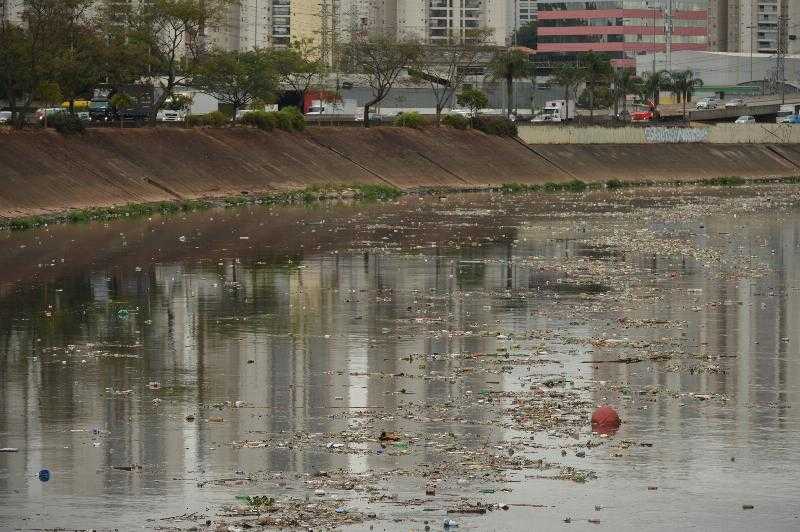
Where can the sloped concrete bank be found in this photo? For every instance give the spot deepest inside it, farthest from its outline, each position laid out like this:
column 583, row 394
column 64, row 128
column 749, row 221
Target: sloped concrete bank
column 42, row 172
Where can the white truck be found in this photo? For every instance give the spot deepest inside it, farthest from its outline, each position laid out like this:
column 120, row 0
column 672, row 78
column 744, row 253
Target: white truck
column 556, row 111
column 324, row 108
column 786, row 112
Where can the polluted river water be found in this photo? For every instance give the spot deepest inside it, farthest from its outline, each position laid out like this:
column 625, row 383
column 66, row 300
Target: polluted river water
column 423, row 364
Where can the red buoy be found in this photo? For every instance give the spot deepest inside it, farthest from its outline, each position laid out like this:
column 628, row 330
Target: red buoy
column 605, row 419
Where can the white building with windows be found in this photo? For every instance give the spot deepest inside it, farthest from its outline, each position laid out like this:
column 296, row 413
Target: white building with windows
column 436, row 21
column 250, row 24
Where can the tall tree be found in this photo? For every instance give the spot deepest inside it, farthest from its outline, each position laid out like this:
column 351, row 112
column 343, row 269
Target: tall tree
column 653, row 83
column 300, row 66
column 625, row 82
column 80, row 66
column 127, row 57
column 173, row 31
column 446, row 65
column 569, row 77
column 682, row 85
column 17, row 79
column 381, row 60
column 509, row 65
column 236, row 78
column 527, row 35
column 30, row 52
column 597, row 73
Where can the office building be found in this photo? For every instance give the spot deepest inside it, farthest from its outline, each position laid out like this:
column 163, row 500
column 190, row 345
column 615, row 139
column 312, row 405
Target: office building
column 622, row 29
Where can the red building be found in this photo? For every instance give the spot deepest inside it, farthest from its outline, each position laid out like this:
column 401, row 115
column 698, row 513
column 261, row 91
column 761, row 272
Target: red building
column 620, row 28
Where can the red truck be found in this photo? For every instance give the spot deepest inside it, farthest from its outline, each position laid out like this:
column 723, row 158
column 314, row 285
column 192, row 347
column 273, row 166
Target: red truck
column 645, row 112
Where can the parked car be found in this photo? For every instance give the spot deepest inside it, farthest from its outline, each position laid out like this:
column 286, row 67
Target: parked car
column 746, row 119
column 5, row 117
column 794, row 119
column 374, row 116
column 736, row 102
column 100, row 110
column 168, row 115
column 48, row 112
column 466, row 113
column 241, row 113
column 709, row 102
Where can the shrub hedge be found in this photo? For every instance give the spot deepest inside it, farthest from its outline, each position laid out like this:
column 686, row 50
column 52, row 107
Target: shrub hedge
column 67, row 123
column 213, row 119
column 288, row 119
column 410, row 119
column 455, row 121
column 502, row 127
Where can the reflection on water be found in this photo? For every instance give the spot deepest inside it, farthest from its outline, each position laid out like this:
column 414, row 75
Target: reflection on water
column 289, row 309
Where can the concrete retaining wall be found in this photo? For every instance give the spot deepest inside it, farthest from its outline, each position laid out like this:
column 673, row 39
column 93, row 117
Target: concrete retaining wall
column 674, row 162
column 717, row 134
column 43, row 172
column 551, row 134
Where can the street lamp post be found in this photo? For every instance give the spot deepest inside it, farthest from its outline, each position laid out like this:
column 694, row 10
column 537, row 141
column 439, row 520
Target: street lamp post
column 752, row 45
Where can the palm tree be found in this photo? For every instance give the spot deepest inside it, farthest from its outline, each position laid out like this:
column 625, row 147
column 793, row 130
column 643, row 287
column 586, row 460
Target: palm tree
column 569, row 77
column 597, row 72
column 683, row 84
column 510, row 65
column 653, row 83
column 625, row 82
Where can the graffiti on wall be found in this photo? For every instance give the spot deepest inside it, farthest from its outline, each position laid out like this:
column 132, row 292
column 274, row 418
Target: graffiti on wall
column 659, row 135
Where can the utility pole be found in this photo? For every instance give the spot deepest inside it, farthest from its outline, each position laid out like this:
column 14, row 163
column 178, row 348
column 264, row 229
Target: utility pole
column 324, row 47
column 783, row 41
column 334, row 17
column 668, row 31
column 752, row 45
column 653, row 8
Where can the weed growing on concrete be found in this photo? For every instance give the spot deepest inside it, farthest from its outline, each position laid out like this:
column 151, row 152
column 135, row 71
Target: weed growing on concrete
column 517, row 188
column 371, row 192
column 724, row 182
column 576, row 185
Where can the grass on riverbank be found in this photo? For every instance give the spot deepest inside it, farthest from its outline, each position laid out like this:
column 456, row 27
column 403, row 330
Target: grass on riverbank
column 576, row 185
column 308, row 195
column 358, row 192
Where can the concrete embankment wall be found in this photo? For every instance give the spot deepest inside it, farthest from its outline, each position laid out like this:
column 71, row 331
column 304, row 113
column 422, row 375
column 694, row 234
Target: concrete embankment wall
column 673, row 162
column 716, row 134
column 43, row 172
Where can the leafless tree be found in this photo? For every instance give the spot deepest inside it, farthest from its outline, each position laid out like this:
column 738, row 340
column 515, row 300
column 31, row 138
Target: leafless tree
column 446, row 66
column 381, row 60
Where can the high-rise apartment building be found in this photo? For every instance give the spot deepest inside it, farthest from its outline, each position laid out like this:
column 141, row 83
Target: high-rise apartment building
column 250, row 24
column 436, row 21
column 620, row 28
column 753, row 25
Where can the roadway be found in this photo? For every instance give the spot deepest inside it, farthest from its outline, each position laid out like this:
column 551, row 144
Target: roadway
column 757, row 106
